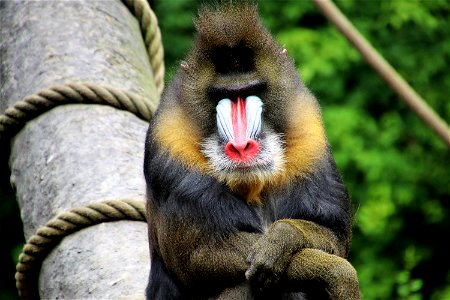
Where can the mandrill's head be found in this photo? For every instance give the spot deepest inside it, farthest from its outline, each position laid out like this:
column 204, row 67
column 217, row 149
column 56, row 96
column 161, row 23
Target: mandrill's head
column 253, row 122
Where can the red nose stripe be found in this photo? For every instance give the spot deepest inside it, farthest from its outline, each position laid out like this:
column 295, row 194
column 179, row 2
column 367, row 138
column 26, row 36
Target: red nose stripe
column 239, row 118
column 242, row 152
column 240, row 148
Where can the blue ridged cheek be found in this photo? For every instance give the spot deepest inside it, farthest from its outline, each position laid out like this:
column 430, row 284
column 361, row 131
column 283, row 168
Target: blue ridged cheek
column 253, row 111
column 224, row 122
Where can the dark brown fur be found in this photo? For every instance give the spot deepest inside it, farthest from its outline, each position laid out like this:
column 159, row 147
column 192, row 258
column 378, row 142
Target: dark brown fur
column 275, row 234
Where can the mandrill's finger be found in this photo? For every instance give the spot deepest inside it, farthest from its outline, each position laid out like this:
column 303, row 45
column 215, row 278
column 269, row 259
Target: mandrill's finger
column 336, row 274
column 261, row 272
column 262, row 279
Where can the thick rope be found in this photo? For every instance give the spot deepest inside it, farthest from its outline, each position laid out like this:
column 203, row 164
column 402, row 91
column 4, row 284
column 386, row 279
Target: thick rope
column 152, row 38
column 31, row 106
column 48, row 236
column 385, row 70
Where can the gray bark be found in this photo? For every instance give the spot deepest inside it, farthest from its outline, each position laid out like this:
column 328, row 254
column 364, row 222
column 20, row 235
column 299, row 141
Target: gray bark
column 75, row 155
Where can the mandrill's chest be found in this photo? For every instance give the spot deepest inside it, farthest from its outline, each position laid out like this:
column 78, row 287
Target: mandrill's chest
column 273, row 204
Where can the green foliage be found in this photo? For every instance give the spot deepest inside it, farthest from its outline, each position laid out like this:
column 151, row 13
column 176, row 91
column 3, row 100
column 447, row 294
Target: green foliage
column 396, row 169
column 10, row 231
column 175, row 22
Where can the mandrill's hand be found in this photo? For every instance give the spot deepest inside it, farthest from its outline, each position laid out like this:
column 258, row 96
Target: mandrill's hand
column 271, row 255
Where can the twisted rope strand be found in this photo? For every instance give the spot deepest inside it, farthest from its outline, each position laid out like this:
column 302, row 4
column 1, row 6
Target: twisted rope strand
column 151, row 33
column 48, row 236
column 32, row 105
column 75, row 92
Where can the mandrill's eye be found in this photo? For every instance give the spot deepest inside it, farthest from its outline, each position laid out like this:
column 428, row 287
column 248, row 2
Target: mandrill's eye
column 253, row 109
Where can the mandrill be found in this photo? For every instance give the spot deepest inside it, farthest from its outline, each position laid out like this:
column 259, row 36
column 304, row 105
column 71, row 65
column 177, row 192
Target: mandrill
column 244, row 198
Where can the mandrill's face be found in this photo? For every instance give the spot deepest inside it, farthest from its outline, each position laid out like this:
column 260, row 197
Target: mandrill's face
column 243, row 146
column 236, row 94
column 239, row 111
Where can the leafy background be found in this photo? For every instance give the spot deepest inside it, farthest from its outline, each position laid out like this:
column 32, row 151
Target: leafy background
column 396, row 169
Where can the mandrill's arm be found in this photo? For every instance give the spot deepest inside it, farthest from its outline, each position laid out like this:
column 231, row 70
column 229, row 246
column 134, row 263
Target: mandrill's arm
column 334, row 273
column 200, row 233
column 203, row 264
column 295, row 253
column 199, row 258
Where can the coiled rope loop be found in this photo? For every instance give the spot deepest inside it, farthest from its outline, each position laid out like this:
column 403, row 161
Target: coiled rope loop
column 46, row 237
column 76, row 92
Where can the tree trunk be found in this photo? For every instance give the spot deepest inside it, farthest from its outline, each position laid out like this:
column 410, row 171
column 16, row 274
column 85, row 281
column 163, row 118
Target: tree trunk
column 78, row 154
